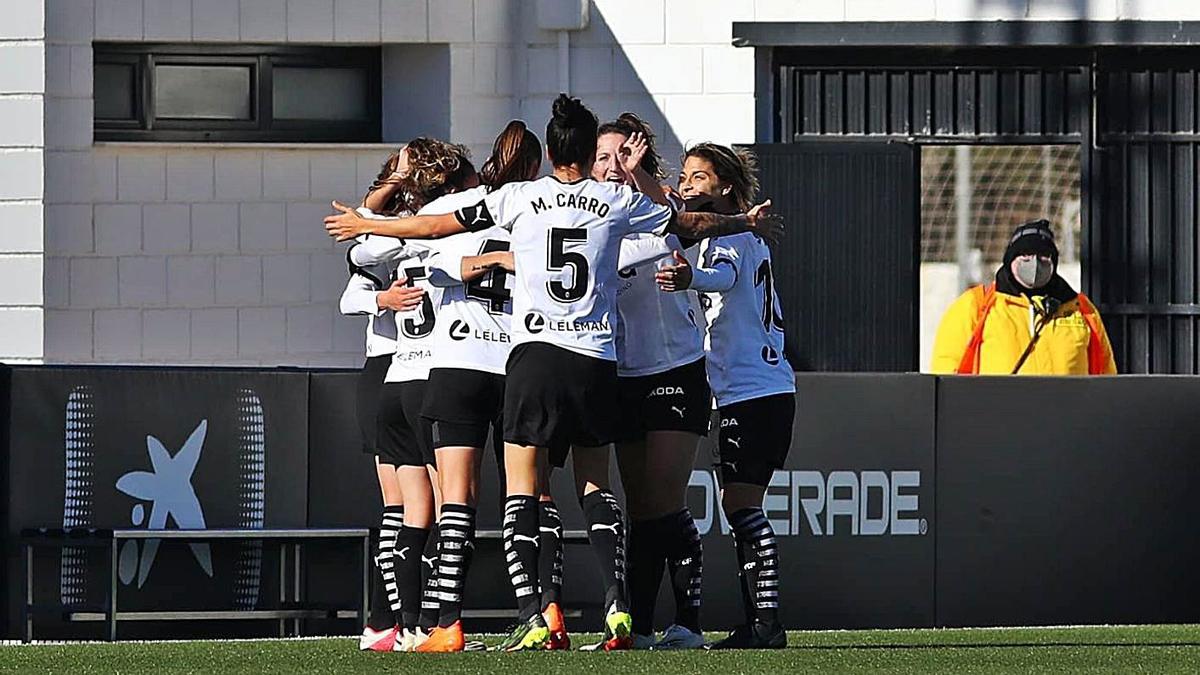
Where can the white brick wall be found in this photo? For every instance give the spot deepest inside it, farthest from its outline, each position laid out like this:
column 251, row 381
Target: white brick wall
column 22, row 161
column 197, row 245
column 215, row 254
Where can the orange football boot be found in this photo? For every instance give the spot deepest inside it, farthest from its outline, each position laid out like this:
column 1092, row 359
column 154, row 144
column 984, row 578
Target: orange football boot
column 441, row 640
column 559, row 640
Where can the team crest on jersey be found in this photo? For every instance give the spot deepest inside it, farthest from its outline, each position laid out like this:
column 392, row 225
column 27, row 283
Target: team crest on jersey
column 535, row 322
column 459, row 330
column 770, row 355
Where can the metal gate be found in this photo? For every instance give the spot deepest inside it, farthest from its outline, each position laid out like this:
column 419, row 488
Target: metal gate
column 846, row 272
column 1134, row 112
column 1144, row 253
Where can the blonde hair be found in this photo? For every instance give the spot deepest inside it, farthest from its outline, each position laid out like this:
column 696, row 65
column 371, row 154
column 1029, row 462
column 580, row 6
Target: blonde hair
column 434, row 167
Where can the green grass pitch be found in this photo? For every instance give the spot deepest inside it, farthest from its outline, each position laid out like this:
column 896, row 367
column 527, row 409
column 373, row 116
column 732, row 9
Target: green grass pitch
column 1151, row 649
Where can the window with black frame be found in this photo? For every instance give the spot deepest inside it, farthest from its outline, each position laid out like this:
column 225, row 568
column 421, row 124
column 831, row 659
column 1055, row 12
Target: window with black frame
column 234, row 93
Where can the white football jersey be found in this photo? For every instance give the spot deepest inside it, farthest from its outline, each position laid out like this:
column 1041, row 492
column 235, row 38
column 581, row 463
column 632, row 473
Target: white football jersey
column 565, row 242
column 358, row 298
column 413, row 328
column 744, row 340
column 473, row 319
column 656, row 331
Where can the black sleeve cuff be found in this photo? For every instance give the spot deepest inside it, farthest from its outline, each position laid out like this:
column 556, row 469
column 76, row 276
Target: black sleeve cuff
column 475, row 218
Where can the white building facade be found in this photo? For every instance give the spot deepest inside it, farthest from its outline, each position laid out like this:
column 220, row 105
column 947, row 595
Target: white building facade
column 172, row 252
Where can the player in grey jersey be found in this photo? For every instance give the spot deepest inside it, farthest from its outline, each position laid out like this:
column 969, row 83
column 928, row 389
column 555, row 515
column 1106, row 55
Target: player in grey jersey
column 561, row 376
column 752, row 382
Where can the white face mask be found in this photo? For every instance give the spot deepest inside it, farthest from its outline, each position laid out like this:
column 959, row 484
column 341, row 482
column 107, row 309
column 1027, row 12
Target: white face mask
column 1033, row 271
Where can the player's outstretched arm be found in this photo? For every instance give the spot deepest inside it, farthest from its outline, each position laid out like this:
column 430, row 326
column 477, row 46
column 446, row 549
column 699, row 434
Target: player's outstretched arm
column 701, row 225
column 348, row 224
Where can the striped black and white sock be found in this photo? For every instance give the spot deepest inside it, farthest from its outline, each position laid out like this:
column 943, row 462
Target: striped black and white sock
column 550, row 553
column 409, row 547
column 760, row 562
column 521, row 552
column 685, row 563
column 431, row 571
column 606, row 532
column 456, row 548
column 389, row 529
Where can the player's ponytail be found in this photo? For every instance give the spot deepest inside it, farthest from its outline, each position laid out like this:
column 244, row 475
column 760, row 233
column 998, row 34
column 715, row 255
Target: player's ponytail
column 736, row 167
column 571, row 133
column 516, row 156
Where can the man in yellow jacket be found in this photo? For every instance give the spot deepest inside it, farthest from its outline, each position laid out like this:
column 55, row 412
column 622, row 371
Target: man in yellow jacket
column 1028, row 322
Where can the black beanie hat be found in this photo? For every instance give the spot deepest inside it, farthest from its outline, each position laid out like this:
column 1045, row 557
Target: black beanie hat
column 1032, row 238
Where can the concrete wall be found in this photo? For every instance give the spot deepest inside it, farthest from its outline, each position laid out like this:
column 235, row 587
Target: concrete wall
column 22, row 158
column 214, row 254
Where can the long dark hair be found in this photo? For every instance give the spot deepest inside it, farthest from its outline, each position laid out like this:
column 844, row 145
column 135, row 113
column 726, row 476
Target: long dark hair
column 627, row 124
column 571, row 133
column 516, row 156
column 736, row 167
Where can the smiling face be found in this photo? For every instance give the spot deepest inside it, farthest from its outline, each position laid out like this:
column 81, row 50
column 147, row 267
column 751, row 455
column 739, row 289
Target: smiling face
column 698, row 178
column 611, row 153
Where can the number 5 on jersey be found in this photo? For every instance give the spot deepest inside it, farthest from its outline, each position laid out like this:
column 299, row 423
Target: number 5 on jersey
column 558, row 259
column 409, row 327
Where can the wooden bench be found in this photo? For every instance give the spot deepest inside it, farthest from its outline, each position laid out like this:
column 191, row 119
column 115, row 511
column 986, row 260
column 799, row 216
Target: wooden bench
column 292, row 608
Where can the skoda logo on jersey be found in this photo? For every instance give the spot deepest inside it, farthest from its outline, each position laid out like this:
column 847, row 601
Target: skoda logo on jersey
column 770, row 355
column 535, row 322
column 627, row 272
column 459, row 330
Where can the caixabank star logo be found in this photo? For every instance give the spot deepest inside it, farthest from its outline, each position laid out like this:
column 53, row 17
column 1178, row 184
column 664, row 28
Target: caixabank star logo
column 168, row 489
column 157, row 486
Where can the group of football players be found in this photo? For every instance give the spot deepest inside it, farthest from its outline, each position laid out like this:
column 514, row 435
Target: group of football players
column 562, row 316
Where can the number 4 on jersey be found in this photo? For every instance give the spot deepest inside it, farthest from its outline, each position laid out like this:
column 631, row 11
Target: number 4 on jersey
column 492, row 288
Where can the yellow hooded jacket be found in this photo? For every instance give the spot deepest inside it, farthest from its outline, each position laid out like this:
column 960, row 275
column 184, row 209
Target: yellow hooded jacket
column 1070, row 344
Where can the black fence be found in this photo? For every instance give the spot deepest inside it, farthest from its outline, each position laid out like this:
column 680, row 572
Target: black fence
column 907, row 500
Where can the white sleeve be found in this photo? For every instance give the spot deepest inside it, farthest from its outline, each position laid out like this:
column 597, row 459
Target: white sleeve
column 646, row 215
column 374, row 249
column 718, row 268
column 359, row 297
column 445, row 269
column 640, row 249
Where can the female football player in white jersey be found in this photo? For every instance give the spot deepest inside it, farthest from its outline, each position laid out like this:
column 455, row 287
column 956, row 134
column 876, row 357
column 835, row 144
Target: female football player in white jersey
column 664, row 399
column 752, row 382
column 561, row 383
column 466, row 379
column 434, row 168
column 371, row 292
